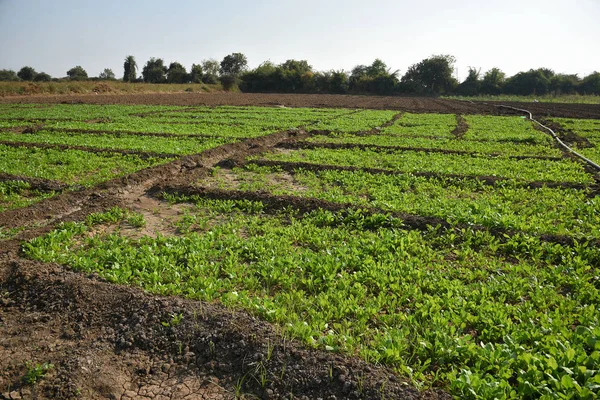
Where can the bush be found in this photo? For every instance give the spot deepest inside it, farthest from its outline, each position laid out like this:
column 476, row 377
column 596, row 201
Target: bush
column 26, row 73
column 42, row 77
column 229, row 82
column 77, row 73
column 8, row 75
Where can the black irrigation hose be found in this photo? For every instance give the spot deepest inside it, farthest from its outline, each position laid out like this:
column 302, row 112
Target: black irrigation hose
column 554, row 135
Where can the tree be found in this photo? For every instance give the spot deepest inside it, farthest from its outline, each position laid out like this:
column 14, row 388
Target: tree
column 77, row 73
column 8, row 75
column 471, row 85
column 332, row 82
column 493, row 81
column 432, row 75
column 591, row 84
column 301, row 67
column 107, row 74
column 211, row 71
column 260, row 79
column 129, row 69
column 42, row 77
column 177, row 73
column 564, row 84
column 154, row 71
column 26, row 73
column 532, row 82
column 196, row 73
column 234, row 64
column 375, row 78
column 377, row 68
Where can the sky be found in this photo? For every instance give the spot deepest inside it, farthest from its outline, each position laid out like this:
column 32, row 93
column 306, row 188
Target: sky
column 514, row 35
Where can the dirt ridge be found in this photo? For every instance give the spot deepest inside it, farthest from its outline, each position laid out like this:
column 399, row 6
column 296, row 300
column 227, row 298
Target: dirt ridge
column 47, row 185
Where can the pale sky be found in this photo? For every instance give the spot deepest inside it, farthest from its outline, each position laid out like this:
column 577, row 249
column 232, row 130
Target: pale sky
column 55, row 35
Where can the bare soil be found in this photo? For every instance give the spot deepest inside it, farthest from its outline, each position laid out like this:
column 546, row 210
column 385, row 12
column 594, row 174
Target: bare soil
column 104, row 341
column 461, row 127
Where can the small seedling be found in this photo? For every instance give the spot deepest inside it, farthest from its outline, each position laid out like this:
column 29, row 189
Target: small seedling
column 175, row 320
column 35, row 372
column 136, row 220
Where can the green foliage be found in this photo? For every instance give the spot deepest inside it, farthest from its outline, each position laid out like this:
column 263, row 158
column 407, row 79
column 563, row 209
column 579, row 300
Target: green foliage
column 375, row 78
column 107, row 74
column 35, row 372
column 177, row 73
column 211, row 71
column 8, row 75
column 531, row 82
column 493, row 81
column 234, row 64
column 299, row 66
column 26, row 74
column 72, row 166
column 17, row 194
column 431, row 76
column 229, row 81
column 77, row 73
column 154, row 71
column 42, row 77
column 471, row 85
column 488, row 318
column 564, row 84
column 129, row 69
column 591, row 84
column 196, row 73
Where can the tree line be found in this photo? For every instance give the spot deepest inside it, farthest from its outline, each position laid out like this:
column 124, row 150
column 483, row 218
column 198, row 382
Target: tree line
column 432, row 76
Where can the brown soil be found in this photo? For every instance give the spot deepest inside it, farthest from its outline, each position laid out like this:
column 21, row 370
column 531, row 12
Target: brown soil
column 461, row 127
column 46, row 185
column 408, row 104
column 106, row 341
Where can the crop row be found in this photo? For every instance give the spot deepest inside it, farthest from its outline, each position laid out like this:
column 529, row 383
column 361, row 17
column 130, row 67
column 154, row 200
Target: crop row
column 487, row 318
column 71, row 166
column 181, row 145
column 80, row 111
column 513, row 129
column 16, row 194
column 428, row 125
column 499, row 148
column 588, row 129
column 417, row 161
column 506, row 205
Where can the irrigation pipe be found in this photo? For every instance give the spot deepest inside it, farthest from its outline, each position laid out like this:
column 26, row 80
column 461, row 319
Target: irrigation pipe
column 554, row 135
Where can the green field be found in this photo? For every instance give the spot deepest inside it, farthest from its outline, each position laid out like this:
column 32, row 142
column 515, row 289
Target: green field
column 463, row 261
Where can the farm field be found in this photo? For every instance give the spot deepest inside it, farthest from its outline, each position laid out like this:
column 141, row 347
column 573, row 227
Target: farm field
column 318, row 252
